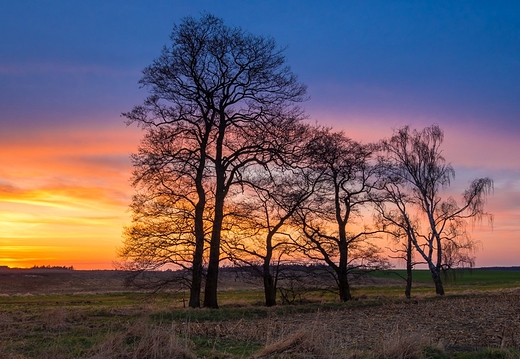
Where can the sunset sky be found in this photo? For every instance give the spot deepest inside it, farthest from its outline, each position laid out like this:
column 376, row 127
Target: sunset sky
column 69, row 68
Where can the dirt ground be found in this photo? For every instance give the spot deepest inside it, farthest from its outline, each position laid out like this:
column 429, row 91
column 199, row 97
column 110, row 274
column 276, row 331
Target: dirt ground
column 453, row 323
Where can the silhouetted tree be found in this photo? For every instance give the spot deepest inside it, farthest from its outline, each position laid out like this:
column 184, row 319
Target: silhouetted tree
column 436, row 226
column 231, row 99
column 395, row 222
column 169, row 213
column 270, row 199
column 333, row 220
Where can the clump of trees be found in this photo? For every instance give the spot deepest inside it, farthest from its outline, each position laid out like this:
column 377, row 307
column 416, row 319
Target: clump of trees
column 411, row 202
column 228, row 170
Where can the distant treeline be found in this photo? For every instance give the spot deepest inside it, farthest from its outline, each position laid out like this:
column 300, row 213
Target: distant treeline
column 53, row 267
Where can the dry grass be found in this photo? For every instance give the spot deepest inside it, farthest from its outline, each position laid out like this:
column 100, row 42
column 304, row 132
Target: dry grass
column 299, row 344
column 143, row 341
column 403, row 345
column 391, row 330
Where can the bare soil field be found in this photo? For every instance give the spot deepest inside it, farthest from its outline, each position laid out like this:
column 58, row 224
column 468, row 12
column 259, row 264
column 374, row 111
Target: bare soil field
column 453, row 323
column 56, row 281
column 27, row 282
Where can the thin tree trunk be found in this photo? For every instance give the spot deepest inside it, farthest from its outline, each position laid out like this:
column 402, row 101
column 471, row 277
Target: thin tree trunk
column 269, row 281
column 196, row 283
column 344, row 286
column 198, row 253
column 437, row 280
column 210, row 292
column 409, row 267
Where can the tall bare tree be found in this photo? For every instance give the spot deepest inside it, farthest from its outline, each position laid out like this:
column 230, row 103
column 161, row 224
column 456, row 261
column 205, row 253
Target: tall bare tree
column 232, row 99
column 333, row 221
column 435, row 225
column 169, row 224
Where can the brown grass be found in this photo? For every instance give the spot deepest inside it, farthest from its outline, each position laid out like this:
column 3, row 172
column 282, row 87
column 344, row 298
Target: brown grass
column 403, row 345
column 300, row 343
column 143, row 341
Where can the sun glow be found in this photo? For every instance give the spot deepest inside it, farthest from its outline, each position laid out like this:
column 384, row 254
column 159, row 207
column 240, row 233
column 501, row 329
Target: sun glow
column 64, row 199
column 45, row 228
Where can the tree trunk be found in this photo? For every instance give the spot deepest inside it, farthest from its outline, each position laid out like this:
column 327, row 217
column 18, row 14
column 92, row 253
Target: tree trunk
column 408, row 289
column 409, row 267
column 344, row 287
column 210, row 292
column 436, row 276
column 196, row 286
column 196, row 282
column 198, row 253
column 269, row 281
column 269, row 289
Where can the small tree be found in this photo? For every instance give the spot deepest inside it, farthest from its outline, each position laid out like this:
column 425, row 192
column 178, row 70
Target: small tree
column 332, row 222
column 396, row 221
column 270, row 200
column 436, row 226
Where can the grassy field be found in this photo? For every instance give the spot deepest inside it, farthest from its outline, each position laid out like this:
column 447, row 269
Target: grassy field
column 461, row 277
column 480, row 279
column 478, row 318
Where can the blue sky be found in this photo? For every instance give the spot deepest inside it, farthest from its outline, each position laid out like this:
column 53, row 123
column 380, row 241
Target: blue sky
column 427, row 59
column 69, row 68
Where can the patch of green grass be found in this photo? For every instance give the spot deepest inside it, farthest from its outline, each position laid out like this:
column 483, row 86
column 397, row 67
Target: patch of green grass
column 484, row 276
column 208, row 347
column 390, row 292
column 64, row 343
column 491, row 353
column 459, row 277
column 230, row 313
column 237, row 297
column 434, row 353
column 418, row 275
column 210, row 315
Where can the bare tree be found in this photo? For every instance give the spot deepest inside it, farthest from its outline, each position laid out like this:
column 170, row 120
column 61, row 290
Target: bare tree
column 271, row 198
column 396, row 221
column 233, row 100
column 332, row 222
column 165, row 211
column 436, row 226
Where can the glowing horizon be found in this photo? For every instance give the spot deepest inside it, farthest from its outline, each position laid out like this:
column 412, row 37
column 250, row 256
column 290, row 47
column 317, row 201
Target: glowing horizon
column 63, row 204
